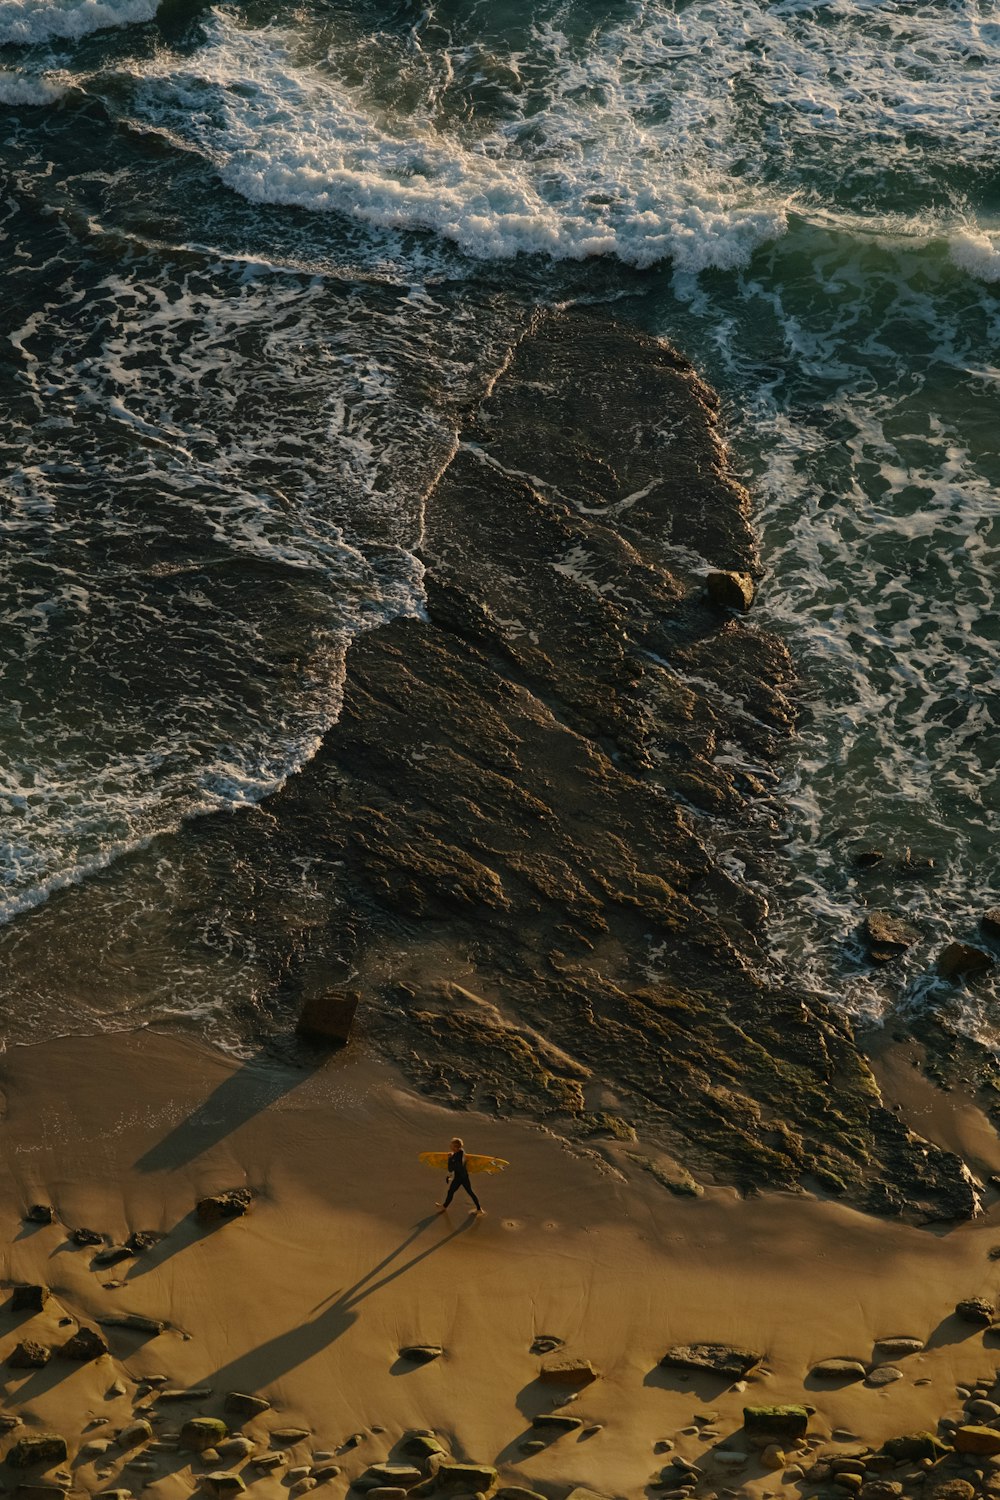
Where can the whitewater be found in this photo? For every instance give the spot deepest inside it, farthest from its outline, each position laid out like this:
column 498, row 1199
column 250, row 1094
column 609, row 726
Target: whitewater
column 262, row 258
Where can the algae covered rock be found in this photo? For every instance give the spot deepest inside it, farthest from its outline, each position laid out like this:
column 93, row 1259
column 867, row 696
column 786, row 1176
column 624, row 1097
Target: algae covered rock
column 765, row 1425
column 201, row 1433
column 887, row 937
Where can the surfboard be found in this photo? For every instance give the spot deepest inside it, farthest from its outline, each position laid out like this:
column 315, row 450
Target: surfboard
column 439, row 1161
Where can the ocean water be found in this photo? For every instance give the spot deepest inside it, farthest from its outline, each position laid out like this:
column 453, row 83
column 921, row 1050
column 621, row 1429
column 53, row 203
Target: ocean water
column 260, row 257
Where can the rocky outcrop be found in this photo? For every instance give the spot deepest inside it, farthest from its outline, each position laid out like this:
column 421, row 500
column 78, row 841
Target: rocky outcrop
column 524, row 831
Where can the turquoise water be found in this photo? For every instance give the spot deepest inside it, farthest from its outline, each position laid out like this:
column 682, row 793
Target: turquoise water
column 259, row 258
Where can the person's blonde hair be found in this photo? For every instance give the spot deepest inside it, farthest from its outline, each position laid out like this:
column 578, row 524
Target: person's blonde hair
column 456, row 1140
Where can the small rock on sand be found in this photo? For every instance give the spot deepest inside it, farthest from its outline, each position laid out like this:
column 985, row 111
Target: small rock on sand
column 914, row 1446
column 218, row 1207
column 715, row 1359
column 267, row 1461
column 953, row 1489
column 420, row 1445
column 421, row 1354
column 574, row 1372
column 134, row 1434
column 839, row 1369
column 297, row 1435
column 241, row 1403
column 28, row 1355
column 977, row 1311
column 388, row 1473
column 40, row 1213
column 87, row 1237
column 84, row 1345
column 555, row 1422
column 898, row 1347
column 223, row 1484
column 883, row 1375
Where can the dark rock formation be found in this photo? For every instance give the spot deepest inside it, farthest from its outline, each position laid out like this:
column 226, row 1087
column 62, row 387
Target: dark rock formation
column 521, row 831
column 977, row 1311
column 990, row 921
column 37, row 1448
column 328, row 1015
column 85, row 1344
column 730, row 590
column 86, row 1237
column 218, row 1207
column 28, row 1298
column 888, row 937
column 141, row 1240
column 962, row 960
column 28, row 1356
column 40, row 1213
column 421, row 1354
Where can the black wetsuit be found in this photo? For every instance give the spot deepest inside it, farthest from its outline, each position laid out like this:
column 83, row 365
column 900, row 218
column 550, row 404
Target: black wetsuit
column 460, row 1178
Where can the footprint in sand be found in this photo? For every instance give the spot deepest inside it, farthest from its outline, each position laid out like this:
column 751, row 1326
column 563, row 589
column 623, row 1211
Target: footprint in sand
column 511, row 1223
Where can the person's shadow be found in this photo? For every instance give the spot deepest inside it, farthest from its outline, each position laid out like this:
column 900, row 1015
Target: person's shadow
column 273, row 1359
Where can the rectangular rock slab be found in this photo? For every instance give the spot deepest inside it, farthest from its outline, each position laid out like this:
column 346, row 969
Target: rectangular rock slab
column 328, row 1016
column 712, row 1359
column 765, row 1425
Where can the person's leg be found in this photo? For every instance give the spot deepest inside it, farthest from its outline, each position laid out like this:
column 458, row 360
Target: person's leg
column 452, row 1190
column 468, row 1188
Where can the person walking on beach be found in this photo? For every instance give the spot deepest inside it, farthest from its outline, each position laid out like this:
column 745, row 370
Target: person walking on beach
column 459, row 1173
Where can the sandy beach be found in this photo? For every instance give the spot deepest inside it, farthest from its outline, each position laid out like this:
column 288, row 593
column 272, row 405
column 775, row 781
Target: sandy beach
column 341, row 1262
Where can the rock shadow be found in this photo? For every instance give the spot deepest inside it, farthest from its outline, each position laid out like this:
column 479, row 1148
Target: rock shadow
column 952, row 1330
column 249, row 1091
column 703, row 1384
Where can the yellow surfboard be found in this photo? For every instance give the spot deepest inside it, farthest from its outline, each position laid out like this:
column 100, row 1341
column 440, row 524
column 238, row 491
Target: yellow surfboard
column 439, row 1161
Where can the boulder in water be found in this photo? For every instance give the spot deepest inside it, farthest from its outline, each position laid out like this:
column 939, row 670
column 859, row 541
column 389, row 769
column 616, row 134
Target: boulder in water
column 887, row 937
column 962, row 960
